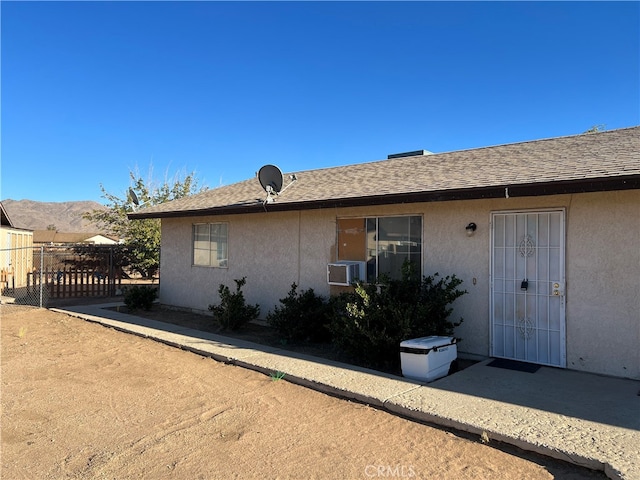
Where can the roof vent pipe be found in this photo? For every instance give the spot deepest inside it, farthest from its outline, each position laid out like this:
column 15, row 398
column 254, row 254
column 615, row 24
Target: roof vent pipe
column 415, row 153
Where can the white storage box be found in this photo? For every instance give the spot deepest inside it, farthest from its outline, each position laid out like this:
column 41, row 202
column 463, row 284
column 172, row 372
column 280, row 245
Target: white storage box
column 427, row 358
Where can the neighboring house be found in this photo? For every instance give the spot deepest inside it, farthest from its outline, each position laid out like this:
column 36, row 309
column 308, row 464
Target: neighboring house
column 54, row 238
column 552, row 268
column 15, row 253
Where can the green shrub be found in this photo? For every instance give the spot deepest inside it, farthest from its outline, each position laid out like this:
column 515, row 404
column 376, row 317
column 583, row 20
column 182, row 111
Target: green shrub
column 301, row 316
column 367, row 325
column 433, row 308
column 370, row 322
column 140, row 296
column 233, row 312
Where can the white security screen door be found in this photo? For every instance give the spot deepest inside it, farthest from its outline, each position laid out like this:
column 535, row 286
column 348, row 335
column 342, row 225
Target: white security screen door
column 527, row 287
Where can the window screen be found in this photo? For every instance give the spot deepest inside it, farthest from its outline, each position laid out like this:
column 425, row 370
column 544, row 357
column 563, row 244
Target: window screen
column 210, row 244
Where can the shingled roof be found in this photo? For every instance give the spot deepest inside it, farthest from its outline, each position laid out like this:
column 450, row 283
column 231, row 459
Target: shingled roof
column 590, row 162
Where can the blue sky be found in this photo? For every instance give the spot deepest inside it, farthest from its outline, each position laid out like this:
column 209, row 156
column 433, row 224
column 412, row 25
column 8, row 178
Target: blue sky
column 94, row 90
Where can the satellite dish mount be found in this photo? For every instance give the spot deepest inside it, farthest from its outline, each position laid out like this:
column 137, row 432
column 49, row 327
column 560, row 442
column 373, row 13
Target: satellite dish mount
column 271, row 179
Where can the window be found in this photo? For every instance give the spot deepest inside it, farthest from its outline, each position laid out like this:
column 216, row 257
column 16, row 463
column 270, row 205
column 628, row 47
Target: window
column 210, row 244
column 385, row 243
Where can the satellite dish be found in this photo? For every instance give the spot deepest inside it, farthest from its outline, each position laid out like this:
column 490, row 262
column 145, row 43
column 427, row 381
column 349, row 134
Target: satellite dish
column 271, row 179
column 132, row 197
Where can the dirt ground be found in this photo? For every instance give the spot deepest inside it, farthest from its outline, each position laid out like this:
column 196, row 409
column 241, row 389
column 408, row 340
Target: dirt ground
column 82, row 401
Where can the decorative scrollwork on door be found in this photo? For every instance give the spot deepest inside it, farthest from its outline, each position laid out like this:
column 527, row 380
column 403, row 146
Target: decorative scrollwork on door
column 526, row 327
column 526, row 246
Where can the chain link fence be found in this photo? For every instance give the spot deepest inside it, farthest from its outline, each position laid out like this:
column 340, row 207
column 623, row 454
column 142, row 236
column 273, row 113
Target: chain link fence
column 44, row 276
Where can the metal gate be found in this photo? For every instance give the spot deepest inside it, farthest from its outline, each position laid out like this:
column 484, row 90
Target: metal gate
column 528, row 286
column 40, row 276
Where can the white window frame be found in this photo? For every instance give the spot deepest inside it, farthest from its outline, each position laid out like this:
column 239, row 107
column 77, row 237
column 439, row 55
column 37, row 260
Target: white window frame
column 217, row 255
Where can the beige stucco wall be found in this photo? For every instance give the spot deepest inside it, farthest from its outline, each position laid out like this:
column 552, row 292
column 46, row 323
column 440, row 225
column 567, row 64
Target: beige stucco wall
column 274, row 250
column 603, row 283
column 264, row 248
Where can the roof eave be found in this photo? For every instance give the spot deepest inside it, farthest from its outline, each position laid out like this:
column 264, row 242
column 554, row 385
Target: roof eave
column 584, row 185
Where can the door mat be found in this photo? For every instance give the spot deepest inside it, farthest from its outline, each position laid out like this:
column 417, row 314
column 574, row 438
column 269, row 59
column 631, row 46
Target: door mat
column 514, row 365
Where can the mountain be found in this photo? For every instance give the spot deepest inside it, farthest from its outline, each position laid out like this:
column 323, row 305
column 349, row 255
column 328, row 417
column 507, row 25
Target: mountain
column 66, row 216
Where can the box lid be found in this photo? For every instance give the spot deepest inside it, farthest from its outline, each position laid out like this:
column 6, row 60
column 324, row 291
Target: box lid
column 428, row 342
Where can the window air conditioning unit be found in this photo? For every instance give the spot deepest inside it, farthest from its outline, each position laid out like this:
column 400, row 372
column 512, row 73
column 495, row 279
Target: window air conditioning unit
column 344, row 273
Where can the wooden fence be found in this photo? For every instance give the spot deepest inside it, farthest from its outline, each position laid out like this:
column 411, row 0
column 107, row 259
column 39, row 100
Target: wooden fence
column 60, row 273
column 68, row 282
column 7, row 280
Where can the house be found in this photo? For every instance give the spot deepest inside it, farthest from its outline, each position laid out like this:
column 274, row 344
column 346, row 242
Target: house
column 545, row 235
column 15, row 253
column 54, row 238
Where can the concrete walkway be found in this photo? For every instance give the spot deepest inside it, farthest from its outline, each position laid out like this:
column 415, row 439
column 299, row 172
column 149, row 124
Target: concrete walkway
column 589, row 420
